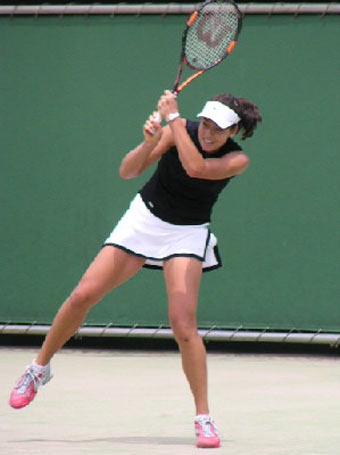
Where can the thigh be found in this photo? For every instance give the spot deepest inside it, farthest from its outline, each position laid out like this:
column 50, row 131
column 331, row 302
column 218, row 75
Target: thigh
column 182, row 276
column 111, row 268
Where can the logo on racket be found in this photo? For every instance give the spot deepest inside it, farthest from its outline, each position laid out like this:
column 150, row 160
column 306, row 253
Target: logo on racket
column 212, row 30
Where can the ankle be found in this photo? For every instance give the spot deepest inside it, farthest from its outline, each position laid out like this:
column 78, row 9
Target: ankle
column 202, row 410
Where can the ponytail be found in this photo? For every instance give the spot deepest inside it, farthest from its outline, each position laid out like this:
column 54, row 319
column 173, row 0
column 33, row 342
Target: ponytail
column 246, row 110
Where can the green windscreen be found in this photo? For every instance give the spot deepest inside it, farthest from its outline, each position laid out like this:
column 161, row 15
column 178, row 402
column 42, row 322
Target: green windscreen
column 75, row 92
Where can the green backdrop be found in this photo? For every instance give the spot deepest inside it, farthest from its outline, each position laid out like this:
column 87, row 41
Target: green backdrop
column 74, row 95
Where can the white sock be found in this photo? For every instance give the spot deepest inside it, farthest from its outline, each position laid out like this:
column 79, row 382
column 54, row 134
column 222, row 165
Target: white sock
column 202, row 416
column 39, row 367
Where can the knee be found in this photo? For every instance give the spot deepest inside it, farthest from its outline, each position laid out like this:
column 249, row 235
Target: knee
column 184, row 331
column 82, row 298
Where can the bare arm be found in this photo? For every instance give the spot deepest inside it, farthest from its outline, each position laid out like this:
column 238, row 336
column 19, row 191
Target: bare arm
column 196, row 166
column 157, row 140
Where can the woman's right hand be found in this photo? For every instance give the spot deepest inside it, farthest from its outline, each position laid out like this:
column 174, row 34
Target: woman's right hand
column 152, row 128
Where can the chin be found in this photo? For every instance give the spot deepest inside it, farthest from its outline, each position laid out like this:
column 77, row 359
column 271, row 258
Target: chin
column 209, row 149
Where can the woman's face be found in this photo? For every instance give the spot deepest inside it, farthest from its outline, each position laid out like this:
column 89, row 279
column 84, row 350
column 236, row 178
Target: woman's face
column 211, row 137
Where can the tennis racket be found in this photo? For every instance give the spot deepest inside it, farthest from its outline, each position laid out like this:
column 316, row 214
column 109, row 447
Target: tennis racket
column 209, row 37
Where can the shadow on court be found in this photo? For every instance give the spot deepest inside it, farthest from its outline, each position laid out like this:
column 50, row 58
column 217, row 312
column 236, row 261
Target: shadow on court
column 162, row 441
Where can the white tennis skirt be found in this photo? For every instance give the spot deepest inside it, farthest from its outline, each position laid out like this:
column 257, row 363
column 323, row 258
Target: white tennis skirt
column 141, row 233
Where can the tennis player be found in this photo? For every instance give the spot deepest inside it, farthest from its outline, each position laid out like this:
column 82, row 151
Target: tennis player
column 166, row 226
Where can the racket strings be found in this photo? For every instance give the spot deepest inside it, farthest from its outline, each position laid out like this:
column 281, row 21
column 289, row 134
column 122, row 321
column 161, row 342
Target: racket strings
column 209, row 37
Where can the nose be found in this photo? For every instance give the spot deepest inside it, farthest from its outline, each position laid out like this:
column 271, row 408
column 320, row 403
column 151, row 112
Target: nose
column 208, row 132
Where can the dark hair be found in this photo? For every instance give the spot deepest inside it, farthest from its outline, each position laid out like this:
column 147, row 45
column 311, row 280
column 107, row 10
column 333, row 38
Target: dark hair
column 246, row 110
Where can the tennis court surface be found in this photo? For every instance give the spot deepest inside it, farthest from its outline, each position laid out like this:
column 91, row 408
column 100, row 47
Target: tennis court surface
column 123, row 402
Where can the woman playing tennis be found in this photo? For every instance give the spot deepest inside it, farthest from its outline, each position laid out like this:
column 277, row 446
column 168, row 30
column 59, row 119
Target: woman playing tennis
column 166, row 226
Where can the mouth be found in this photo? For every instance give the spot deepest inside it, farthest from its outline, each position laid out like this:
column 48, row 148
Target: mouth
column 207, row 142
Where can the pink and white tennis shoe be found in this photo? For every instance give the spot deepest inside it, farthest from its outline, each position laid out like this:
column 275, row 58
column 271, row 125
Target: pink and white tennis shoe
column 28, row 384
column 206, row 432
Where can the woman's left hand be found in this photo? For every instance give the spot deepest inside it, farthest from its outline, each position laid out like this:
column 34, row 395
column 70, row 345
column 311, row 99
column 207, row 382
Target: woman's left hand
column 167, row 104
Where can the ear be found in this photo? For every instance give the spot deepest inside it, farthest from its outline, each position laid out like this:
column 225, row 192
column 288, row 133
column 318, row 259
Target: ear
column 234, row 130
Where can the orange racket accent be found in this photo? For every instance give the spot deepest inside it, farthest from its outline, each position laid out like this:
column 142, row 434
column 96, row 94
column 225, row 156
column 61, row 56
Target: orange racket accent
column 231, row 46
column 190, row 79
column 192, row 18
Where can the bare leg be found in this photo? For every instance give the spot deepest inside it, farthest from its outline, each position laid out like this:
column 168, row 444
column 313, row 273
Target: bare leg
column 111, row 268
column 182, row 276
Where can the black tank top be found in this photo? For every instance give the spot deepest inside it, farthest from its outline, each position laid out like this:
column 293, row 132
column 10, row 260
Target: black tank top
column 173, row 196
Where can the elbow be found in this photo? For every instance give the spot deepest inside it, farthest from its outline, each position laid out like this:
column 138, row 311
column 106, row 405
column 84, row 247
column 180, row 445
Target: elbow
column 238, row 165
column 245, row 161
column 242, row 164
column 125, row 175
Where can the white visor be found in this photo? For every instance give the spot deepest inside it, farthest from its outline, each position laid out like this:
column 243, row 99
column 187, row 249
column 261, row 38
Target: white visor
column 219, row 113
